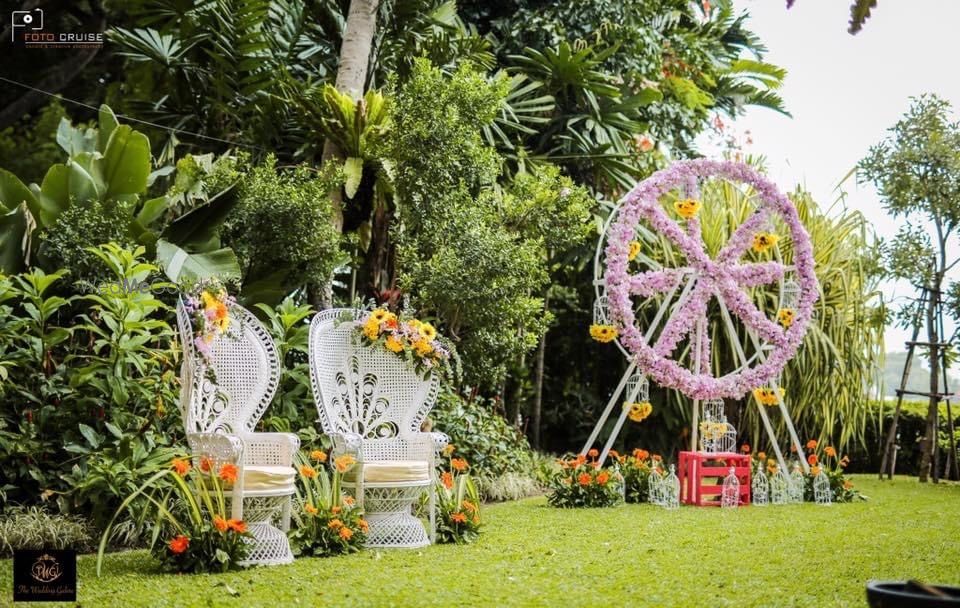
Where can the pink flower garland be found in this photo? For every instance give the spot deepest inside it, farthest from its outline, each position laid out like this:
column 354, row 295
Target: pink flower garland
column 724, row 277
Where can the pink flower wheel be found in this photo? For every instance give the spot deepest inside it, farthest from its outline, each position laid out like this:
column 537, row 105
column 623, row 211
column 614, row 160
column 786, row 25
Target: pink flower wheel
column 724, row 277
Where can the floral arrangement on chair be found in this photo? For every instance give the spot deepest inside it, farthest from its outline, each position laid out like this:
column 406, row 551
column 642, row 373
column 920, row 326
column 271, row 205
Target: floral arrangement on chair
column 198, row 535
column 412, row 339
column 458, row 503
column 582, row 482
column 328, row 522
column 207, row 302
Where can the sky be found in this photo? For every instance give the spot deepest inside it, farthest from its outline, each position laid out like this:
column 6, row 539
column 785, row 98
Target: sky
column 845, row 91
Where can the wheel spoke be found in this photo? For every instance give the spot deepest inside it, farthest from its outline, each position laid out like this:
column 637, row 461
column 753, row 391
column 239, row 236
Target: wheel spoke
column 754, row 274
column 737, row 301
column 740, row 240
column 653, row 282
column 679, row 325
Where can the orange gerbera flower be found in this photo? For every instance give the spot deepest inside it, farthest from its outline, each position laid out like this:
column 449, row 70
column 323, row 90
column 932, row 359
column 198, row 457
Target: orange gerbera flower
column 603, row 477
column 640, row 454
column 334, row 524
column 343, row 463
column 348, row 500
column 181, row 466
column 458, row 517
column 335, row 509
column 345, row 533
column 206, row 464
column 593, row 453
column 830, row 451
column 447, row 480
column 179, row 544
column 815, row 470
column 459, row 464
column 812, row 444
column 579, row 460
column 237, row 525
column 761, row 455
column 812, row 459
column 318, row 455
column 228, row 472
column 613, row 454
column 468, row 506
column 312, row 510
column 584, row 479
column 308, row 471
column 220, row 523
column 363, row 525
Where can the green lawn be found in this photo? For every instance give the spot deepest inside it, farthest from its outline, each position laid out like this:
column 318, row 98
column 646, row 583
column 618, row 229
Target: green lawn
column 532, row 554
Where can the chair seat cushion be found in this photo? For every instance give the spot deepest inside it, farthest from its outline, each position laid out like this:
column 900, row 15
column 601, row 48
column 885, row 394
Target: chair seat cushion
column 391, row 471
column 267, row 477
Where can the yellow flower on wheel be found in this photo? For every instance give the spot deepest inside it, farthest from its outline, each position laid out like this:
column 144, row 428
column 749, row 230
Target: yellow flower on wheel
column 638, row 412
column 603, row 333
column 764, row 241
column 785, row 317
column 634, row 251
column 687, row 208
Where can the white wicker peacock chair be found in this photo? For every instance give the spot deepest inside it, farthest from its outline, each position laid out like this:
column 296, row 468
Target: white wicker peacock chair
column 372, row 404
column 220, row 420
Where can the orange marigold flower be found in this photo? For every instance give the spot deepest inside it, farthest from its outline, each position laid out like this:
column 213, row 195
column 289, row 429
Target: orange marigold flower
column 812, row 444
column 458, row 517
column 237, row 525
column 181, row 466
column 656, row 458
column 228, row 472
column 220, row 523
column 318, row 455
column 334, row 524
column 745, row 448
column 613, row 454
column 179, row 544
column 348, row 500
column 815, row 470
column 308, row 471
column 593, row 453
column 447, row 480
column 761, row 455
column 459, row 464
column 468, row 506
column 206, row 464
column 343, row 463
column 312, row 510
column 830, row 451
column 335, row 509
column 345, row 533
column 579, row 460
column 584, row 479
column 812, row 459
column 640, row 454
column 364, row 525
column 603, row 477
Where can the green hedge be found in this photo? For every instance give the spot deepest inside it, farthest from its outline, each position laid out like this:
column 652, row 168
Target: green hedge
column 913, row 415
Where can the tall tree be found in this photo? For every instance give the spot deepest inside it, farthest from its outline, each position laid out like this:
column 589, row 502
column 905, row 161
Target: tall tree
column 917, row 172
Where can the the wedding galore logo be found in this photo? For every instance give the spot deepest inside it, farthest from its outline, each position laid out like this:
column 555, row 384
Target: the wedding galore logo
column 48, row 575
column 27, row 28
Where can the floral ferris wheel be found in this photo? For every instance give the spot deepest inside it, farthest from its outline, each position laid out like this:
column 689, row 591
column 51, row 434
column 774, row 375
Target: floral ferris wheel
column 645, row 258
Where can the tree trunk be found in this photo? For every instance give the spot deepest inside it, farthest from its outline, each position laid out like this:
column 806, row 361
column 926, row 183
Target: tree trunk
column 351, row 77
column 538, row 384
column 929, row 440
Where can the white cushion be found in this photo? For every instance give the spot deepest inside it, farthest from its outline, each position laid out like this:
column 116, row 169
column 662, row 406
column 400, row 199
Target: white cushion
column 267, row 477
column 396, row 471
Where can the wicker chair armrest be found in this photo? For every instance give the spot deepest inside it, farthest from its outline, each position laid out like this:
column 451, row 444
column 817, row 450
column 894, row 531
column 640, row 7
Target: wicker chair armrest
column 220, row 447
column 270, row 448
column 347, row 443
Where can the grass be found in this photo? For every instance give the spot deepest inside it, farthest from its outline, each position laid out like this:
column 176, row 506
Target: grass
column 534, row 555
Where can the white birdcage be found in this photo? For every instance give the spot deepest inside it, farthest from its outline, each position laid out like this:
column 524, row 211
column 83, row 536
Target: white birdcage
column 730, row 498
column 671, row 489
column 655, row 487
column 639, row 387
column 759, row 487
column 789, row 294
column 796, row 484
column 822, row 493
column 779, row 488
column 712, row 409
column 601, row 311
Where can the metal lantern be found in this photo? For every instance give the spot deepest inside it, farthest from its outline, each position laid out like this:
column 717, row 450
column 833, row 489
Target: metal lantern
column 796, row 484
column 671, row 489
column 655, row 485
column 779, row 488
column 638, row 389
column 730, row 498
column 822, row 493
column 600, row 311
column 759, row 488
column 790, row 294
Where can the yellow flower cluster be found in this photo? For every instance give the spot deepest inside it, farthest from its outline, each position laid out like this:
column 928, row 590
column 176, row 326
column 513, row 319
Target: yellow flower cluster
column 215, row 310
column 638, row 412
column 603, row 333
column 785, row 317
column 417, row 335
column 767, row 396
column 687, row 208
column 634, row 251
column 712, row 430
column 764, row 241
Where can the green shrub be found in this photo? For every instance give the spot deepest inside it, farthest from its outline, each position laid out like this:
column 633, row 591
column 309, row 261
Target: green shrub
column 36, row 528
column 482, row 437
column 67, row 241
column 580, row 483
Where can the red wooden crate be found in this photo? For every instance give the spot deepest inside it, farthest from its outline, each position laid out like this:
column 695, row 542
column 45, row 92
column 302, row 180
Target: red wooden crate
column 702, row 474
